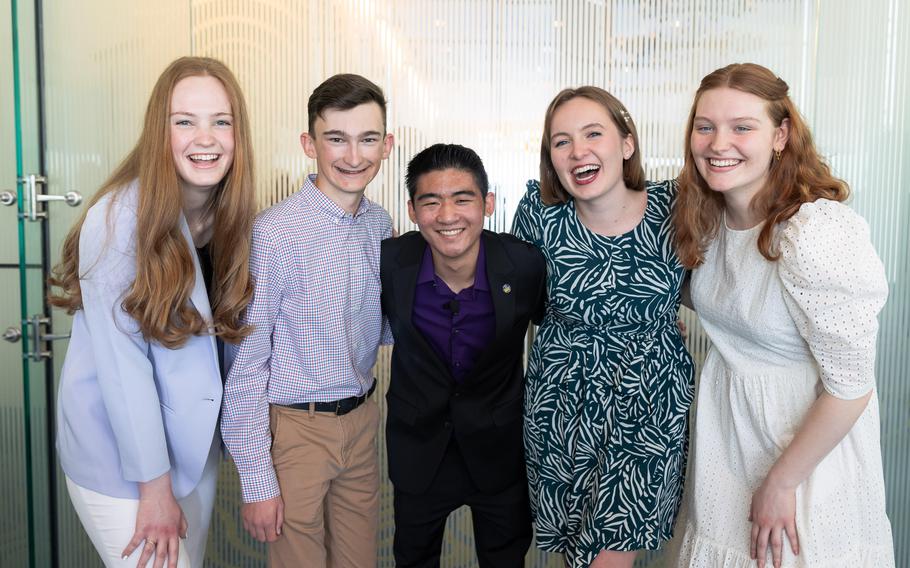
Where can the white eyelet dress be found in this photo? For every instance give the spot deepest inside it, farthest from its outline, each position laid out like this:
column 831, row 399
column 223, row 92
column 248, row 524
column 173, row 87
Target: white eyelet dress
column 782, row 333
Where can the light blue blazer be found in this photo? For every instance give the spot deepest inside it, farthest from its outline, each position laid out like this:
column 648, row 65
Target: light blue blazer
column 129, row 410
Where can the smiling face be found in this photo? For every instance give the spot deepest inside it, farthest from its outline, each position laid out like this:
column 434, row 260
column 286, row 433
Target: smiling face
column 449, row 211
column 201, row 132
column 587, row 149
column 733, row 141
column 348, row 146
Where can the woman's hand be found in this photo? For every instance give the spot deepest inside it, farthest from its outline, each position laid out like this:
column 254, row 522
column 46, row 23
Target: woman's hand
column 159, row 522
column 773, row 510
column 773, row 513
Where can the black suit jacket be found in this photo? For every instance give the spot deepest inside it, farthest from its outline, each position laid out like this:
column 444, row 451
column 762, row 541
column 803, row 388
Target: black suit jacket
column 426, row 406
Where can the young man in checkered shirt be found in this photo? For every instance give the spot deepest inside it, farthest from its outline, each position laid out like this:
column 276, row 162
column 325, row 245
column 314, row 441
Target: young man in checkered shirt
column 297, row 416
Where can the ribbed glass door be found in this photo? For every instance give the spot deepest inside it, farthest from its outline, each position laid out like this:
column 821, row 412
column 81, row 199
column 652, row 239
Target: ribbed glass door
column 27, row 385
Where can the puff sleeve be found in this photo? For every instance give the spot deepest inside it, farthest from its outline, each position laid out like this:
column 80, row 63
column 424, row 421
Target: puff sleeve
column 528, row 224
column 835, row 286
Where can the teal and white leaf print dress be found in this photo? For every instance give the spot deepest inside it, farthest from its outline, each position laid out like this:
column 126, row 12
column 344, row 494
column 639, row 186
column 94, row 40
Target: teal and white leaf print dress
column 609, row 382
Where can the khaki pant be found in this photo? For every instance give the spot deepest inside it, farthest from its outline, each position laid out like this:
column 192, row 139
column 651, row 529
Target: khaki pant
column 329, row 477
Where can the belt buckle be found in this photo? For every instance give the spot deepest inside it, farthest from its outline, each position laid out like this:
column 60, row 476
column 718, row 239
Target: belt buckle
column 338, row 407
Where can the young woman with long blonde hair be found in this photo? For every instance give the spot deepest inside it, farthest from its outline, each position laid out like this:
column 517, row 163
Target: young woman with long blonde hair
column 156, row 272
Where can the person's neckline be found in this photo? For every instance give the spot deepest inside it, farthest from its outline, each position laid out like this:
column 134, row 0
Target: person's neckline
column 730, row 229
column 644, row 215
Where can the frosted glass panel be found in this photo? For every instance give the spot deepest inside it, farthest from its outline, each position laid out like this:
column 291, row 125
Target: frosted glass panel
column 862, row 123
column 101, row 59
column 481, row 73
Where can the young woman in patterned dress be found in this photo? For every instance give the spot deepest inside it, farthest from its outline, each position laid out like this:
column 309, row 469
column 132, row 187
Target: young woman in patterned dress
column 786, row 464
column 609, row 380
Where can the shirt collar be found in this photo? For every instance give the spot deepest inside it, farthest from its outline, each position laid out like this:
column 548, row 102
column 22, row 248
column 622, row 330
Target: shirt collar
column 427, row 271
column 326, row 206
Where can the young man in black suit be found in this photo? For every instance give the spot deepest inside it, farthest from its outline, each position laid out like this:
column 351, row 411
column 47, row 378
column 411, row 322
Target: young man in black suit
column 459, row 300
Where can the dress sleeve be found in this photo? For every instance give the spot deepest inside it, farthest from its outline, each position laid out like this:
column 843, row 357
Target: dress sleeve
column 527, row 224
column 835, row 286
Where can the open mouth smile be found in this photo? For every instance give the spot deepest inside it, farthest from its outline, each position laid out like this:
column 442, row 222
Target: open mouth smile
column 724, row 163
column 450, row 232
column 204, row 160
column 585, row 174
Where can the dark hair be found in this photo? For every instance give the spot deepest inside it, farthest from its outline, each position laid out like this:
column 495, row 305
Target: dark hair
column 633, row 175
column 444, row 157
column 797, row 175
column 344, row 92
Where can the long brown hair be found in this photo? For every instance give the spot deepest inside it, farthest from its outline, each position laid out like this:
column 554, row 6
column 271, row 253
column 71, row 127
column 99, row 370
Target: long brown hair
column 633, row 175
column 798, row 176
column 158, row 297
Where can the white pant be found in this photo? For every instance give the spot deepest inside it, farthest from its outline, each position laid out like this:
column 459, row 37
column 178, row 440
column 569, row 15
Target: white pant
column 111, row 521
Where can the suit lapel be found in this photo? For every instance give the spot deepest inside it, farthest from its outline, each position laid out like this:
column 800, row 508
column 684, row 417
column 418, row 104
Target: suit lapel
column 499, row 274
column 408, row 265
column 408, row 261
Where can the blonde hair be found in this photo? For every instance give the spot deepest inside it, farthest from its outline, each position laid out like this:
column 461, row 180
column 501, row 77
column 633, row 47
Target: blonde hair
column 165, row 274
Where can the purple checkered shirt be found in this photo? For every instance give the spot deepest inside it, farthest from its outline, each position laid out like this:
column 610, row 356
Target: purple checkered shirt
column 316, row 318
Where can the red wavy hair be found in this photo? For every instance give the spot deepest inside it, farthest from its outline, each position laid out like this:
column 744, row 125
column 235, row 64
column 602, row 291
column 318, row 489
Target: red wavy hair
column 799, row 176
column 158, row 298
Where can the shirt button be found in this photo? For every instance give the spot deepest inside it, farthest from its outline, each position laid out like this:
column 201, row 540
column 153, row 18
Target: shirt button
column 455, row 331
column 457, row 364
column 447, row 425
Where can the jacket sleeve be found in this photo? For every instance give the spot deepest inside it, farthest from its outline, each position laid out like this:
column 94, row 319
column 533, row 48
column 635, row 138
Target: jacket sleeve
column 126, row 378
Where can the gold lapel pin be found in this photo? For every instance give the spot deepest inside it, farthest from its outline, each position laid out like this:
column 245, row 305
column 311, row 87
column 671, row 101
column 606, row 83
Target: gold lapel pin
column 507, row 288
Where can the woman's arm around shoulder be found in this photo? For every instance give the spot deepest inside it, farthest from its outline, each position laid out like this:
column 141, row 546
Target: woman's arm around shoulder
column 527, row 224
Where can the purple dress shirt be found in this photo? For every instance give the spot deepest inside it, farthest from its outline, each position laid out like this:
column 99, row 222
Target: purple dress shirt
column 458, row 326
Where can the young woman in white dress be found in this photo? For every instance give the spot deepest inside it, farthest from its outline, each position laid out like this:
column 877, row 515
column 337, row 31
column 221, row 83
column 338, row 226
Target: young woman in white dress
column 786, row 465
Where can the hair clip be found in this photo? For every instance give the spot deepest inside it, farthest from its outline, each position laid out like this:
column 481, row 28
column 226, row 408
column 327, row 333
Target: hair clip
column 625, row 115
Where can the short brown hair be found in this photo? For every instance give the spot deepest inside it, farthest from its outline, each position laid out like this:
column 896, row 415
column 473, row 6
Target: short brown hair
column 551, row 190
column 344, row 92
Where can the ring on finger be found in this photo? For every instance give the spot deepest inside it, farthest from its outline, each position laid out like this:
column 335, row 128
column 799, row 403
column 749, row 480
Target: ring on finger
column 150, row 541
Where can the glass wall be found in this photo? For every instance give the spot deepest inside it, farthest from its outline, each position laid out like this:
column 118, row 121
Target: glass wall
column 480, row 73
